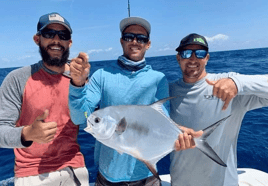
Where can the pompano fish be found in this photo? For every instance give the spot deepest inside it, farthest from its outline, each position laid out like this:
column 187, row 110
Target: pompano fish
column 144, row 132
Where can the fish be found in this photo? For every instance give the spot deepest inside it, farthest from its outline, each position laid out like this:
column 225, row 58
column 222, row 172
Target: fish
column 144, row 132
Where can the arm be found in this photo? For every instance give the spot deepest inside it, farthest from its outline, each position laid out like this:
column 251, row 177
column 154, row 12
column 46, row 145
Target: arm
column 237, row 84
column 251, row 85
column 163, row 92
column 83, row 98
column 11, row 96
column 252, row 91
column 10, row 104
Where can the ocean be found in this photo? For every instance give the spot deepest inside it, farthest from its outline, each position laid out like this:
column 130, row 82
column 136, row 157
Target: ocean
column 252, row 147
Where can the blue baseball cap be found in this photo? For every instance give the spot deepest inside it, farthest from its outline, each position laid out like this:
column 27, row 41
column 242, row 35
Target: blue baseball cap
column 50, row 18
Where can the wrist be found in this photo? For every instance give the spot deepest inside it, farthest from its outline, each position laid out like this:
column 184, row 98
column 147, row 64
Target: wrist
column 25, row 141
column 76, row 84
column 79, row 84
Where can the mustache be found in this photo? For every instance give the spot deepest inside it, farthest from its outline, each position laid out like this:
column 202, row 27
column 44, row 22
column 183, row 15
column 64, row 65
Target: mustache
column 58, row 61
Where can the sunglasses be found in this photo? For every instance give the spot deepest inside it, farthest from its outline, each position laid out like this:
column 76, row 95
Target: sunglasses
column 50, row 34
column 200, row 54
column 129, row 37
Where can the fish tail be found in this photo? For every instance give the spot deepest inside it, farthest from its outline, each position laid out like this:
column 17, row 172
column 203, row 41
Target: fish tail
column 204, row 147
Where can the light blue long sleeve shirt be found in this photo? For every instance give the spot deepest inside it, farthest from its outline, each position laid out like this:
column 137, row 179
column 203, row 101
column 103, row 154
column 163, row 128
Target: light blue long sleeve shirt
column 117, row 86
column 197, row 108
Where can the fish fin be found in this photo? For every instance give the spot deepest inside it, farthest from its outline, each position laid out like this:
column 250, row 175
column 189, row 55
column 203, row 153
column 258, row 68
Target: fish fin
column 158, row 104
column 204, row 147
column 121, row 126
column 158, row 107
column 207, row 131
column 152, row 168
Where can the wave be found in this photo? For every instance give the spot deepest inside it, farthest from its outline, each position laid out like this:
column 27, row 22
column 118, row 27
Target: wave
column 7, row 182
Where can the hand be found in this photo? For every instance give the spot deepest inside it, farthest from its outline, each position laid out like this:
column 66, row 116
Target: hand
column 225, row 89
column 185, row 140
column 40, row 131
column 79, row 69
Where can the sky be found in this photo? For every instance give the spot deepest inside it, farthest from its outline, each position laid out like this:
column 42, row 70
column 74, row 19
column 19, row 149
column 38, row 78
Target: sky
column 227, row 25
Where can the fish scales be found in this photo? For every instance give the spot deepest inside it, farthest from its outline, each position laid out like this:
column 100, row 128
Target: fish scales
column 144, row 124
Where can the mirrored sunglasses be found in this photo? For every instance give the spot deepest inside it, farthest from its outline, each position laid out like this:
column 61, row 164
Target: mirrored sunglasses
column 200, row 54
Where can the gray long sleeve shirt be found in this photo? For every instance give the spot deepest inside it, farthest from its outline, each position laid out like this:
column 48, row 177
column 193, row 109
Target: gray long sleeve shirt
column 196, row 108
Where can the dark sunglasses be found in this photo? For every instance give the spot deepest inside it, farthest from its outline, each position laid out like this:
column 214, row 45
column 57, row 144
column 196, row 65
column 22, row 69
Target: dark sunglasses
column 200, row 54
column 129, row 37
column 50, row 34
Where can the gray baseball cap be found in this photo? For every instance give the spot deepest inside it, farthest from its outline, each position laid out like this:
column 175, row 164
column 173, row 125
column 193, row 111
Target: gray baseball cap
column 135, row 21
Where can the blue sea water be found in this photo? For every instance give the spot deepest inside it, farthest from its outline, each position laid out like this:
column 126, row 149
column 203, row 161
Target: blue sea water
column 252, row 147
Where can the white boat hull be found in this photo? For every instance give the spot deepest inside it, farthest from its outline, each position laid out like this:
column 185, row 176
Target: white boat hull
column 246, row 176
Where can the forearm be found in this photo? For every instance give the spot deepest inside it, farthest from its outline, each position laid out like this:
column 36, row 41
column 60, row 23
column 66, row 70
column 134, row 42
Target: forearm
column 76, row 104
column 163, row 92
column 252, row 85
column 10, row 137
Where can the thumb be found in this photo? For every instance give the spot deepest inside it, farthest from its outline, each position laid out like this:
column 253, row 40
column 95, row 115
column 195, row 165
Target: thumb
column 83, row 56
column 43, row 116
column 191, row 132
column 211, row 82
column 197, row 134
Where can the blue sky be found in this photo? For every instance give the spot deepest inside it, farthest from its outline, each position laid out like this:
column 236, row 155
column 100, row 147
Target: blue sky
column 228, row 25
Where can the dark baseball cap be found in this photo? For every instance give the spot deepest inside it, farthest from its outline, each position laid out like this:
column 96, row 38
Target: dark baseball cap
column 50, row 18
column 135, row 21
column 193, row 39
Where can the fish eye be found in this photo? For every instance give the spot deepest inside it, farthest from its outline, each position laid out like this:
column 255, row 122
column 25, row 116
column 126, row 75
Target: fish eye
column 97, row 120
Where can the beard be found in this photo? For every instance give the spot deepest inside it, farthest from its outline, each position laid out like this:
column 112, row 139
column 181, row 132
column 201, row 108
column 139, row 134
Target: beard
column 57, row 61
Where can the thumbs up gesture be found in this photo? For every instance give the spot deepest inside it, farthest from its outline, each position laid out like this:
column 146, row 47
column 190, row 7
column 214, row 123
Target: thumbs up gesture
column 40, row 131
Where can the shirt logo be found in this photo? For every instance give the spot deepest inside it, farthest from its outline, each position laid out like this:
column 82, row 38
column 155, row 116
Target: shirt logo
column 56, row 17
column 209, row 97
column 85, row 113
column 200, row 40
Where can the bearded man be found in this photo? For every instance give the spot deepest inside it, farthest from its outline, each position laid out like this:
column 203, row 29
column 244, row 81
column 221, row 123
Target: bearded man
column 34, row 113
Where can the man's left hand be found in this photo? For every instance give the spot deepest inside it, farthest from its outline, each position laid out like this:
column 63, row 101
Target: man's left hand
column 185, row 140
column 225, row 89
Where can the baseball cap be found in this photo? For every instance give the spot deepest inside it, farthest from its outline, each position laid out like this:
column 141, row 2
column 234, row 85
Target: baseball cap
column 135, row 21
column 193, row 39
column 50, row 18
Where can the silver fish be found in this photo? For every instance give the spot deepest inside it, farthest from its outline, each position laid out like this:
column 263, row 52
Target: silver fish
column 144, row 132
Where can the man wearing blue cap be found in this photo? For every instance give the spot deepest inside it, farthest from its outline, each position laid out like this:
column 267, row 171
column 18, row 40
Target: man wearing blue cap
column 129, row 81
column 203, row 100
column 34, row 114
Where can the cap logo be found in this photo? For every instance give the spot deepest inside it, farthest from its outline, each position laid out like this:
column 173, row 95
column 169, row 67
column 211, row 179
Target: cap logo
column 200, row 40
column 55, row 17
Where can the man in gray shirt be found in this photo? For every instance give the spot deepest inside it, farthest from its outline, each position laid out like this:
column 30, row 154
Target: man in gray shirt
column 199, row 105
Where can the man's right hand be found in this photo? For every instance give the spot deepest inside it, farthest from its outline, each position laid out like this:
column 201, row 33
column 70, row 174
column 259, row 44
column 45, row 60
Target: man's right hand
column 40, row 131
column 79, row 69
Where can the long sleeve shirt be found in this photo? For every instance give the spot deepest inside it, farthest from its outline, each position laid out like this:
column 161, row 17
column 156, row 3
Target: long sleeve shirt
column 25, row 94
column 117, row 86
column 197, row 108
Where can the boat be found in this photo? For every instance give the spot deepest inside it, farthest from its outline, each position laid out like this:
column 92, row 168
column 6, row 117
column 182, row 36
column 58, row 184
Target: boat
column 246, row 177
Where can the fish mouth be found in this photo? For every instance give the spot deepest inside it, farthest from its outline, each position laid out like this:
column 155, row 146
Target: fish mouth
column 89, row 128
